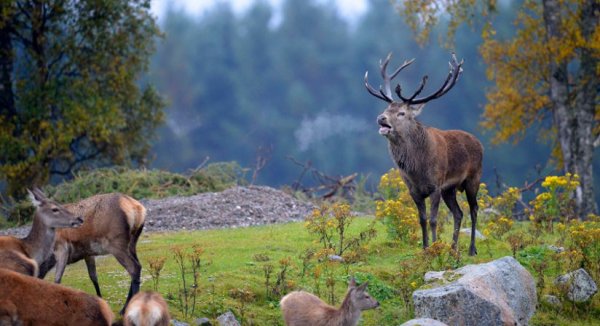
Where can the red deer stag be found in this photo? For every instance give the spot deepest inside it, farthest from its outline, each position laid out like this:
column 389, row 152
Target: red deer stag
column 25, row 255
column 112, row 225
column 302, row 308
column 147, row 309
column 30, row 301
column 433, row 163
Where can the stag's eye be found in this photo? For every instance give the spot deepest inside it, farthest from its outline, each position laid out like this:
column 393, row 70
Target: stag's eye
column 54, row 209
column 401, row 113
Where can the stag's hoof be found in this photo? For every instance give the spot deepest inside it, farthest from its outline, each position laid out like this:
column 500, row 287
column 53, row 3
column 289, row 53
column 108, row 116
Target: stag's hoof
column 472, row 251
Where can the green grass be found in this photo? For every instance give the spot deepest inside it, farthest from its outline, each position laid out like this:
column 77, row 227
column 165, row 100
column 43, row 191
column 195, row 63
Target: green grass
column 230, row 264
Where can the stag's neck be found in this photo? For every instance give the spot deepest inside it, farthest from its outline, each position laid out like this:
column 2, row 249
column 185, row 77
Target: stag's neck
column 409, row 149
column 39, row 242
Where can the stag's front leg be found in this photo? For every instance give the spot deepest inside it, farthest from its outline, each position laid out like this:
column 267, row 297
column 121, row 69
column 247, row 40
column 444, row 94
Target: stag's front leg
column 435, row 203
column 420, row 202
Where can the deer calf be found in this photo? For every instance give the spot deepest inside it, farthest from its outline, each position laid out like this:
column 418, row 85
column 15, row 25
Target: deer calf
column 147, row 309
column 25, row 255
column 112, row 225
column 302, row 308
column 433, row 163
column 30, row 301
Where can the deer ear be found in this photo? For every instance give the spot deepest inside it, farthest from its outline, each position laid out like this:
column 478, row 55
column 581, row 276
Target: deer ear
column 33, row 197
column 417, row 109
column 352, row 283
column 363, row 286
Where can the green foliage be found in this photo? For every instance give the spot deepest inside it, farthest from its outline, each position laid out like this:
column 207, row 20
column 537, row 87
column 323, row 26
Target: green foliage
column 71, row 96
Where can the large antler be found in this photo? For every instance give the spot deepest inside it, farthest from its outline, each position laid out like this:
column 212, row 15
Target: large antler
column 455, row 71
column 385, row 91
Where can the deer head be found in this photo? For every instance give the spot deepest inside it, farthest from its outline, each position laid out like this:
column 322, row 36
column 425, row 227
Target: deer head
column 360, row 299
column 52, row 214
column 399, row 116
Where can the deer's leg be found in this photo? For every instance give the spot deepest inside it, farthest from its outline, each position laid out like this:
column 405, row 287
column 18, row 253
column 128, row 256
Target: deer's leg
column 435, row 204
column 133, row 267
column 90, row 262
column 62, row 256
column 420, row 202
column 449, row 196
column 471, row 192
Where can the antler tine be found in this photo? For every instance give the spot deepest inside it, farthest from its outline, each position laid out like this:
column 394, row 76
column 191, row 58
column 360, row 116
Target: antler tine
column 455, row 71
column 423, row 82
column 404, row 65
column 374, row 92
column 385, row 90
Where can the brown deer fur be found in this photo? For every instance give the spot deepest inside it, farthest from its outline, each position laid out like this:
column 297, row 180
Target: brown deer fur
column 32, row 301
column 433, row 163
column 25, row 255
column 112, row 225
column 302, row 308
column 147, row 309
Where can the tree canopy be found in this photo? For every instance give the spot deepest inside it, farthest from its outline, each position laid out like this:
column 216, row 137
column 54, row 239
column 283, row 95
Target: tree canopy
column 70, row 93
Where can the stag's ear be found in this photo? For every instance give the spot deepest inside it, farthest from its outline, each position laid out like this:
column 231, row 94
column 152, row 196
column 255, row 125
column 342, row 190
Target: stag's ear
column 33, row 197
column 417, row 109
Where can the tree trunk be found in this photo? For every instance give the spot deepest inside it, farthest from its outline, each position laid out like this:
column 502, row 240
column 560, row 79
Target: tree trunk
column 574, row 117
column 586, row 107
column 7, row 99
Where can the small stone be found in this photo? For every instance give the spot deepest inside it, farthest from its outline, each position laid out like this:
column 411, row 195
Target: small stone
column 424, row 322
column 178, row 323
column 228, row 319
column 551, row 300
column 478, row 234
column 203, row 322
column 556, row 249
column 336, row 258
column 579, row 284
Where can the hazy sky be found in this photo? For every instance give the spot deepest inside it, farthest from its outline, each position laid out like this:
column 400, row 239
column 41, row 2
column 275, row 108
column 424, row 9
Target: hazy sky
column 347, row 8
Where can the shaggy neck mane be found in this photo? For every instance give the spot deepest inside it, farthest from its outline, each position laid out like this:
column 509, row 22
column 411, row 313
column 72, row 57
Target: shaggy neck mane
column 408, row 148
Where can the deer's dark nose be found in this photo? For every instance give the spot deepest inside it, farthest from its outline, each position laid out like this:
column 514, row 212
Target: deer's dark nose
column 78, row 221
column 381, row 119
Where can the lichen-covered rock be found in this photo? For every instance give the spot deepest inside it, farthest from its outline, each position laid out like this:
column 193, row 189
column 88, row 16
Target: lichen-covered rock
column 501, row 292
column 423, row 322
column 580, row 286
column 228, row 319
column 551, row 300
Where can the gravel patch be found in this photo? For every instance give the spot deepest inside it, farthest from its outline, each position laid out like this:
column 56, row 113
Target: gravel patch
column 234, row 207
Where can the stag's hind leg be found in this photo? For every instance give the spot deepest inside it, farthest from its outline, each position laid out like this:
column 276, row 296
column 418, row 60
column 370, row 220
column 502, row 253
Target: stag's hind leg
column 435, row 204
column 471, row 191
column 449, row 196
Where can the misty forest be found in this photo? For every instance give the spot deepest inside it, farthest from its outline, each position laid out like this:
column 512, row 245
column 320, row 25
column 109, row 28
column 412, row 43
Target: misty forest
column 111, row 96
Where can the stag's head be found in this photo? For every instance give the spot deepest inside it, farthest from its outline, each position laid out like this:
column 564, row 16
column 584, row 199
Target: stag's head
column 399, row 116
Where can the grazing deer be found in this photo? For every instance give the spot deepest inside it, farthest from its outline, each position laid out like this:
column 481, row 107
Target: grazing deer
column 147, row 309
column 433, row 163
column 302, row 308
column 32, row 301
column 25, row 255
column 112, row 225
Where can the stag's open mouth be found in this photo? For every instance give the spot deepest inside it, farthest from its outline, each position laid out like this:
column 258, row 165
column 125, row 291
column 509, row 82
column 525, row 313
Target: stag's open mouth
column 384, row 128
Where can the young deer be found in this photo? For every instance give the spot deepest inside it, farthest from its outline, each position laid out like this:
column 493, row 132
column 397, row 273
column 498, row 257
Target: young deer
column 147, row 309
column 302, row 308
column 433, row 163
column 25, row 255
column 30, row 301
column 112, row 225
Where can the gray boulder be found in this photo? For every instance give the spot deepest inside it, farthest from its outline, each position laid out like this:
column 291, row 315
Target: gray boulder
column 228, row 319
column 501, row 292
column 423, row 322
column 467, row 231
column 580, row 286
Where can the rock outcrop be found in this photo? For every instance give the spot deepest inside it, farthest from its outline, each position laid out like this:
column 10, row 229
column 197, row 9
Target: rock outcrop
column 501, row 292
